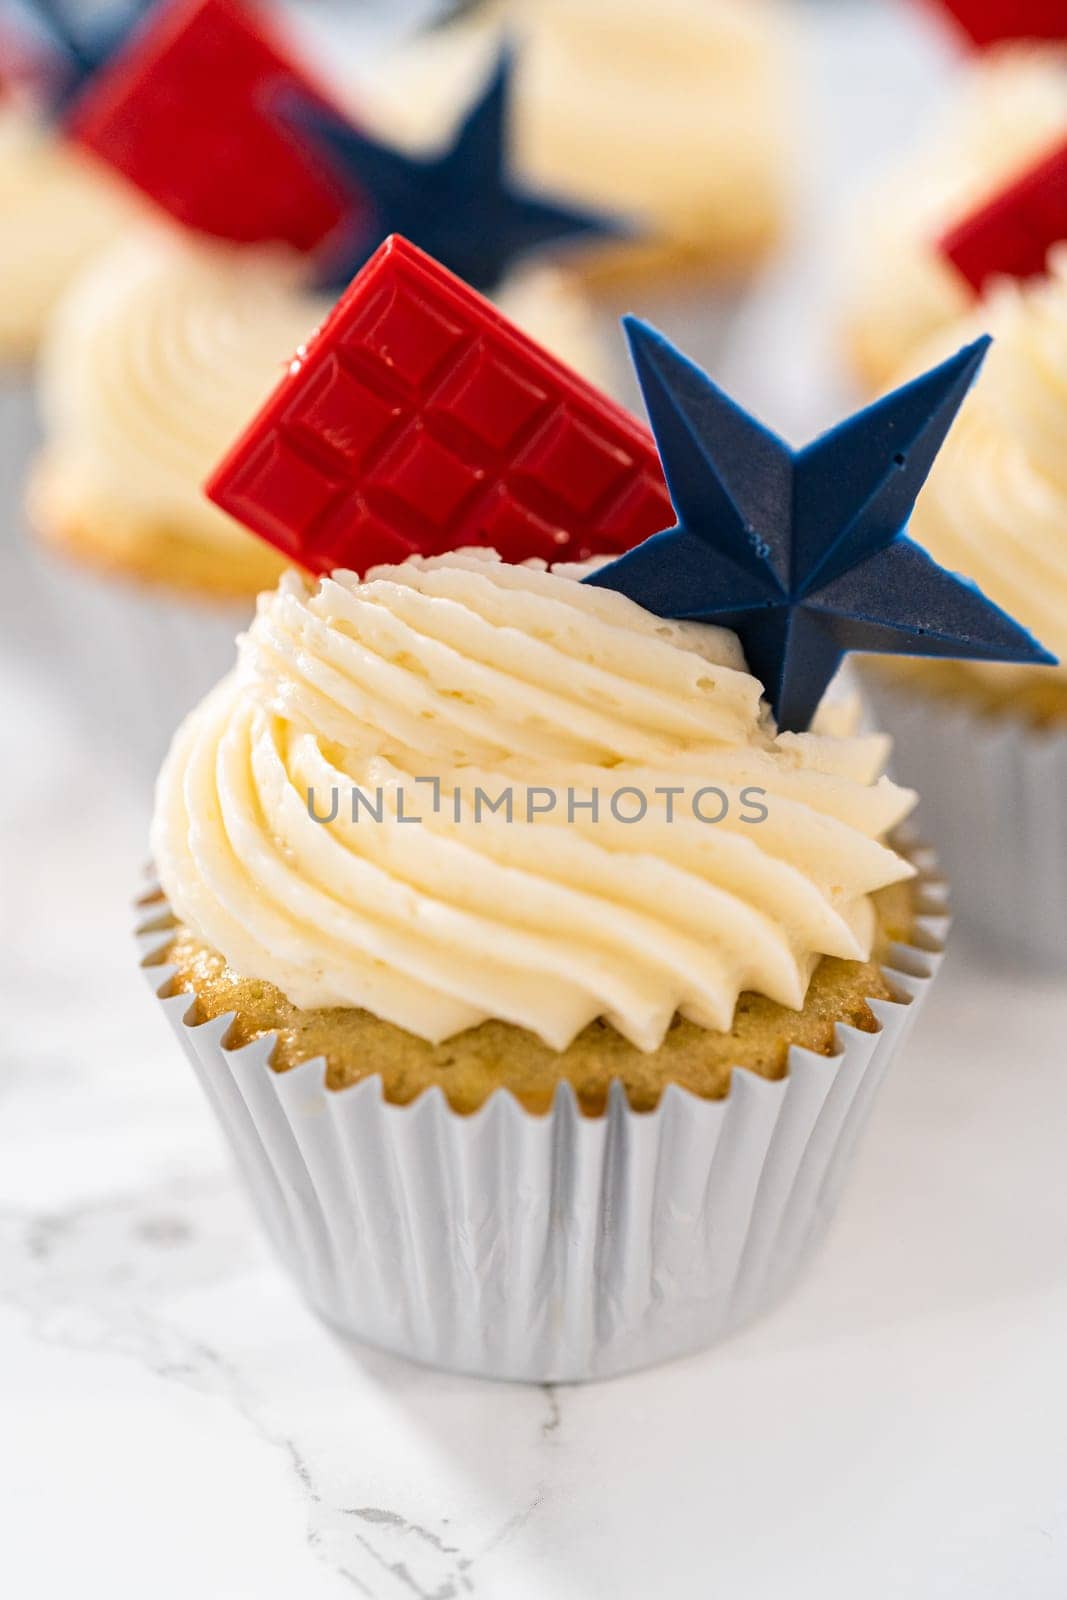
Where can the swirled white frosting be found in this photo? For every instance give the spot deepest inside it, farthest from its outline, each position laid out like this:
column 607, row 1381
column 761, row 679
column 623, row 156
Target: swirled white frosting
column 154, row 362
column 161, row 355
column 606, row 97
column 57, row 209
column 479, row 675
column 995, row 505
column 899, row 289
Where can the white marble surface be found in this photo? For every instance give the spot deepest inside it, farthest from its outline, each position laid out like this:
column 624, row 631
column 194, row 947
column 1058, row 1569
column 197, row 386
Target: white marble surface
column 173, row 1421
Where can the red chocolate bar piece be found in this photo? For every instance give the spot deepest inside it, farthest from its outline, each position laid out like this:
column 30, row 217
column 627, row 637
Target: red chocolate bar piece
column 987, row 22
column 183, row 111
column 1012, row 234
column 419, row 420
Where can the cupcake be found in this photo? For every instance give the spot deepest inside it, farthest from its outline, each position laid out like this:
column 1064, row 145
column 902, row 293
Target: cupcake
column 996, row 506
column 541, row 969
column 165, row 345
column 676, row 116
column 1010, row 109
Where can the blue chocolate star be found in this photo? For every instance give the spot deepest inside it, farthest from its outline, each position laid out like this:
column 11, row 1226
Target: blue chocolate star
column 82, row 47
column 804, row 553
column 459, row 205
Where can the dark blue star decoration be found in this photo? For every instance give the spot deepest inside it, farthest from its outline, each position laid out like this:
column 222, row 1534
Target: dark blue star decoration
column 460, row 205
column 804, row 554
column 81, row 46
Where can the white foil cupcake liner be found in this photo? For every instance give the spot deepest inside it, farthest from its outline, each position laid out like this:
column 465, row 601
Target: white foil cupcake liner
column 137, row 659
column 994, row 805
column 18, row 440
column 29, row 626
column 555, row 1248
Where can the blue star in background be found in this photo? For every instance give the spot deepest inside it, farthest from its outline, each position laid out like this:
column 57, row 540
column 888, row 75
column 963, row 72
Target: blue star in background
column 804, row 553
column 460, row 205
column 82, row 46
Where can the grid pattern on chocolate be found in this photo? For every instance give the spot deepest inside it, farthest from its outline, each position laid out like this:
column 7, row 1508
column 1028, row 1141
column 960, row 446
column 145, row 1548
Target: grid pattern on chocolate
column 184, row 113
column 418, row 420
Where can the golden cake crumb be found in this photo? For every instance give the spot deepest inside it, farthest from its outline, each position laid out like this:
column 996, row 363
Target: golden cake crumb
column 471, row 1065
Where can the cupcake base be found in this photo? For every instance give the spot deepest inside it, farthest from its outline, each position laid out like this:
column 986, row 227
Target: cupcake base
column 559, row 1247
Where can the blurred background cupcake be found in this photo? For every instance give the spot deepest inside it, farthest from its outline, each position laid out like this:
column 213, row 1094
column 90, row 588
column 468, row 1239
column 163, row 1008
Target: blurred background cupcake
column 164, row 344
column 680, row 118
column 1007, row 108
column 989, row 743
column 674, row 115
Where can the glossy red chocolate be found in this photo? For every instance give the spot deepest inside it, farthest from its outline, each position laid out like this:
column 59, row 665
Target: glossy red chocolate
column 419, row 420
column 987, row 22
column 1012, row 234
column 184, row 113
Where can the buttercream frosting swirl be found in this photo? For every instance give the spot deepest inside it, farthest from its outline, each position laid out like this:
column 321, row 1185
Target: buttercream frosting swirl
column 900, row 290
column 155, row 360
column 469, row 674
column 58, row 208
column 995, row 505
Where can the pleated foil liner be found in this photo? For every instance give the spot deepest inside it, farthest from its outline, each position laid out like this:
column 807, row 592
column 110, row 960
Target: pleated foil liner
column 994, row 805
column 18, row 439
column 30, row 629
column 137, row 659
column 555, row 1248
column 18, row 419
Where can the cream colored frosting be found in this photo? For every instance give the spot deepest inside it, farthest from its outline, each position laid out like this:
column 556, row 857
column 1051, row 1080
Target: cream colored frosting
column 675, row 115
column 899, row 289
column 160, row 356
column 482, row 675
column 995, row 505
column 57, row 210
column 154, row 362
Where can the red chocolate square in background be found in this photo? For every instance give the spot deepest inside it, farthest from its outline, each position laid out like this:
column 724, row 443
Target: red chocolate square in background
column 183, row 112
column 987, row 22
column 419, row 420
column 1012, row 233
